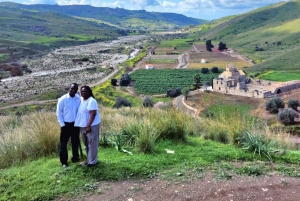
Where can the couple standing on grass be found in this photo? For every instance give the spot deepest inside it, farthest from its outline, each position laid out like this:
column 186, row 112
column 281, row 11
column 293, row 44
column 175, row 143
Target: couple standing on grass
column 76, row 114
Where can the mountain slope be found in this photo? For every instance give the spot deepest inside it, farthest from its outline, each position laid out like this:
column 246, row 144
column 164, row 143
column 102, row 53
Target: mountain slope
column 124, row 18
column 25, row 32
column 274, row 29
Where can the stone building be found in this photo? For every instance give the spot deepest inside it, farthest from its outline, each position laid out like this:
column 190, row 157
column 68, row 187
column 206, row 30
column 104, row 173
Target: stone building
column 234, row 81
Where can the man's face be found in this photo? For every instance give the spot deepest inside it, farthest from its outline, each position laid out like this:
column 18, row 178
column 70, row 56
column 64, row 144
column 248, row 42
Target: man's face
column 73, row 90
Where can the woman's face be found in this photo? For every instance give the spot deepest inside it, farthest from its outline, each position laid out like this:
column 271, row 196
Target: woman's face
column 84, row 93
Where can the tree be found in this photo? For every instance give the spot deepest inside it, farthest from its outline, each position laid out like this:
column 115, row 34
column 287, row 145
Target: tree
column 293, row 103
column 209, row 45
column 273, row 105
column 222, row 46
column 197, row 79
column 114, row 81
column 204, row 70
column 185, row 92
column 174, row 92
column 125, row 80
column 148, row 102
column 214, row 69
column 287, row 116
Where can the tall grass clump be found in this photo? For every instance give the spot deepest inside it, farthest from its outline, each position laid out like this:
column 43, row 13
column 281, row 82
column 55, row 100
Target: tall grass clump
column 37, row 135
column 224, row 127
column 257, row 143
column 142, row 127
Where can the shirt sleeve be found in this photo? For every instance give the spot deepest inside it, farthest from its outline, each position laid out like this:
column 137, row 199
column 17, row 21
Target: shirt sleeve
column 59, row 112
column 93, row 105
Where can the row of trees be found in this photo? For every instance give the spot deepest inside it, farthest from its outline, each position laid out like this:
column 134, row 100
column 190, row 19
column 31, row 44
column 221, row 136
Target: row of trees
column 221, row 46
column 284, row 115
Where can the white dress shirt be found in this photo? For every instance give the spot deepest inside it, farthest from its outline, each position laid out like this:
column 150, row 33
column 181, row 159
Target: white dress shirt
column 83, row 114
column 67, row 108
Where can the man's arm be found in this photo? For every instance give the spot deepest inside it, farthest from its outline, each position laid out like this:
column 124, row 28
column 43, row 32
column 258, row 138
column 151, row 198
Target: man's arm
column 59, row 112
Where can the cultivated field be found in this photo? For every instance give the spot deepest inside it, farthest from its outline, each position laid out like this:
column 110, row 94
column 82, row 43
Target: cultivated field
column 216, row 58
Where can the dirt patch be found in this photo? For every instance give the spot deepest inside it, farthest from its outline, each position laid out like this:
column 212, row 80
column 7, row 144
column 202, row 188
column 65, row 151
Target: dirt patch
column 271, row 187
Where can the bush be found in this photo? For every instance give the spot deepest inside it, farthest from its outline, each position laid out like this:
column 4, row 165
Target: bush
column 214, row 69
column 174, row 92
column 125, row 80
column 293, row 103
column 148, row 102
column 122, row 102
column 186, row 91
column 114, row 81
column 204, row 70
column 256, row 143
column 273, row 105
column 287, row 116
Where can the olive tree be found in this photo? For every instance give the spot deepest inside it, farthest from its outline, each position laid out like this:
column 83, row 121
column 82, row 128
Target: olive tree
column 273, row 105
column 287, row 116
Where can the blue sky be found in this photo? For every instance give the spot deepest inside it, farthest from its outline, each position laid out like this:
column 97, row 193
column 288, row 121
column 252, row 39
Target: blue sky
column 202, row 9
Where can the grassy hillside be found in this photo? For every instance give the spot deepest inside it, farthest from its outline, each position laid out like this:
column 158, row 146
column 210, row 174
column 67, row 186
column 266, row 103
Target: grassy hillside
column 275, row 29
column 25, row 32
column 129, row 19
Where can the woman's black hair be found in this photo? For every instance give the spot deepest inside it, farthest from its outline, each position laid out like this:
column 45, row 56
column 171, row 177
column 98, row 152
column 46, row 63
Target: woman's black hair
column 89, row 90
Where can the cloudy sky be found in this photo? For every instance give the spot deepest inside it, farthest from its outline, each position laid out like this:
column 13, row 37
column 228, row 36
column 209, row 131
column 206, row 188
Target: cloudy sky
column 202, row 9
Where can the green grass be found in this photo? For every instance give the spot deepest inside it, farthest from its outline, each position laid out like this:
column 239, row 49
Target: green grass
column 2, row 57
column 44, row 179
column 281, row 76
column 158, row 81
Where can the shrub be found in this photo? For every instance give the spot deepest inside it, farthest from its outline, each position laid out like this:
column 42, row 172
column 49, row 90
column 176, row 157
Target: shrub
column 214, row 69
column 174, row 92
column 186, row 91
column 114, row 81
column 204, row 70
column 273, row 105
column 125, row 80
column 287, row 116
column 257, row 143
column 148, row 102
column 293, row 103
column 122, row 102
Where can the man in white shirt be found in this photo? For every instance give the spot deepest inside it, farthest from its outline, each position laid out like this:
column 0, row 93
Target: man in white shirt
column 66, row 112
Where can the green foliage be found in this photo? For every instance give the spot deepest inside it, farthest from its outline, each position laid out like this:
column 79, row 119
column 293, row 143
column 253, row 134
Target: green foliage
column 174, row 92
column 274, row 104
column 293, row 103
column 185, row 92
column 197, row 80
column 158, row 81
column 215, row 69
column 251, row 169
column 256, row 143
column 204, row 70
column 114, row 81
column 287, row 116
column 148, row 102
column 136, row 59
column 120, row 102
column 125, row 80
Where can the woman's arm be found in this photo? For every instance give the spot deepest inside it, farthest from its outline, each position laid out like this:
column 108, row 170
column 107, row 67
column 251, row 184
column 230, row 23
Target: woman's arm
column 90, row 121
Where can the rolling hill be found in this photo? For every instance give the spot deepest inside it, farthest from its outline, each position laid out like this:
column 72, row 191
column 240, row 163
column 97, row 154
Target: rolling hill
column 270, row 36
column 30, row 29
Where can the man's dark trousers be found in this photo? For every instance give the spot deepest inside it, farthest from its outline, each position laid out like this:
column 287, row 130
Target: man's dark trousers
column 66, row 132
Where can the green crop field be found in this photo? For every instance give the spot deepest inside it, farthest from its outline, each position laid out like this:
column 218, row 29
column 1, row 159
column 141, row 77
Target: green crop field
column 158, row 81
column 281, row 76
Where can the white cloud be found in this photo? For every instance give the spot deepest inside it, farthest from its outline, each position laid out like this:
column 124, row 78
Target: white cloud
column 145, row 3
column 168, row 4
